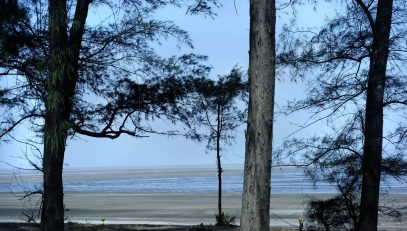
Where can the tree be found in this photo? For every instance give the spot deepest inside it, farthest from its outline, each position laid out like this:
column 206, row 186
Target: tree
column 257, row 169
column 372, row 149
column 62, row 78
column 222, row 116
column 330, row 214
column 356, row 56
column 93, row 80
column 336, row 158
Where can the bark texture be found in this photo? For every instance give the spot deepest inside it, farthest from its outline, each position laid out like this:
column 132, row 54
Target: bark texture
column 256, row 187
column 372, row 157
column 55, row 134
column 62, row 77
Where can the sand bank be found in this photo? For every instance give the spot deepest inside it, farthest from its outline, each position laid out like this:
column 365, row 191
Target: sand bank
column 172, row 208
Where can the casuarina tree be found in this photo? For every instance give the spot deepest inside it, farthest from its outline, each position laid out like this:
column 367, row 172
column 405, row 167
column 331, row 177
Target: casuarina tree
column 103, row 80
column 256, row 187
column 222, row 109
column 356, row 58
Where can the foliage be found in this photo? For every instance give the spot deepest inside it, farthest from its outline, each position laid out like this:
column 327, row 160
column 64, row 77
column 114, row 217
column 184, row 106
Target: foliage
column 336, row 158
column 121, row 81
column 334, row 62
column 225, row 220
column 31, row 198
column 100, row 80
column 220, row 109
column 13, row 17
column 329, row 214
column 224, row 106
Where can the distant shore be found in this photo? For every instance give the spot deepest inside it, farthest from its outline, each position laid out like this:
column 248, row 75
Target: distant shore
column 173, row 208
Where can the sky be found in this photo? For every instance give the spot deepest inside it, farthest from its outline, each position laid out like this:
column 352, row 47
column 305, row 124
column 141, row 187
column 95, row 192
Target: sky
column 225, row 39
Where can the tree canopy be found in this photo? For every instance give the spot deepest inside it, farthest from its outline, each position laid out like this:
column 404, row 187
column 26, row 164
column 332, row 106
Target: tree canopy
column 352, row 65
column 121, row 79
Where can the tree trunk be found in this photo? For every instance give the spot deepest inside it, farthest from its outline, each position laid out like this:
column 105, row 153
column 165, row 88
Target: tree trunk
column 55, row 131
column 52, row 215
column 219, row 185
column 218, row 133
column 62, row 77
column 256, row 186
column 372, row 152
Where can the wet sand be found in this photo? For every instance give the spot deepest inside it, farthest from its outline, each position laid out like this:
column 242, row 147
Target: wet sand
column 172, row 208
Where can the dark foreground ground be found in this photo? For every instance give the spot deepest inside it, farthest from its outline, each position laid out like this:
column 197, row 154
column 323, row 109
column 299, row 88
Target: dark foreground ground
column 110, row 227
column 11, row 226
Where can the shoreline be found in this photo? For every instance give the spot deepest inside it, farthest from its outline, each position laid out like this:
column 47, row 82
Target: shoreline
column 159, row 208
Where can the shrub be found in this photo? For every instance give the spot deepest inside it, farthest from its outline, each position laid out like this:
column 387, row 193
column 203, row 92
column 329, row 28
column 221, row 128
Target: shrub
column 225, row 219
column 328, row 215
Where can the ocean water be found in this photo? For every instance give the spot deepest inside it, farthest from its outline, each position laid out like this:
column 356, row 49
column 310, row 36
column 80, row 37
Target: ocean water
column 180, row 180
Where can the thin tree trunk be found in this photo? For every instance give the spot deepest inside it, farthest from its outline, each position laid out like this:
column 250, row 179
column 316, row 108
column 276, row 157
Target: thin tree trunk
column 256, row 186
column 62, row 77
column 218, row 133
column 372, row 157
column 219, row 184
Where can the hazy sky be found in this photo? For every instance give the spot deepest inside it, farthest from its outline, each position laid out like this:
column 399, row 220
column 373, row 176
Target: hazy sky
column 225, row 39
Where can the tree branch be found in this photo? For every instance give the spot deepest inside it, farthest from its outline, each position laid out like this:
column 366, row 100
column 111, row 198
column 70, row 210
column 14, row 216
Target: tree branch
column 368, row 15
column 18, row 122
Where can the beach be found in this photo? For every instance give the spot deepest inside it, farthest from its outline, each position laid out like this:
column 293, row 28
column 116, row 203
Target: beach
column 153, row 208
column 169, row 197
column 171, row 208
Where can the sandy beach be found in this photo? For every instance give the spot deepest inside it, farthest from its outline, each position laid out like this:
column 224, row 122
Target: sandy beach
column 172, row 208
column 183, row 196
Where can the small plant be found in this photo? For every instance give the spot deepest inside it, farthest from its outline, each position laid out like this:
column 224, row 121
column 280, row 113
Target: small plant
column 200, row 227
column 225, row 220
column 301, row 224
column 329, row 214
column 70, row 225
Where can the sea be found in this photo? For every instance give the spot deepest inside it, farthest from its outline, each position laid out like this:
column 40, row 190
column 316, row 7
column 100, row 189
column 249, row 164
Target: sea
column 181, row 179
